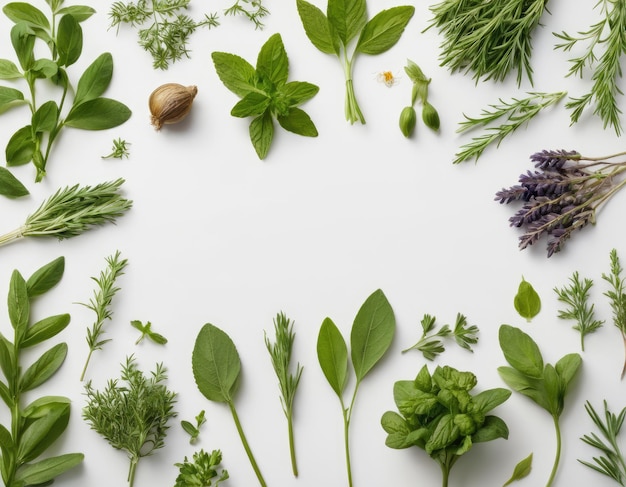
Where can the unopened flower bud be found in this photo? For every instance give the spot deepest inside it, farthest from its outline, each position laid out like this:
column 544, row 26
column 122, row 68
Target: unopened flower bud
column 170, row 103
column 408, row 118
column 430, row 116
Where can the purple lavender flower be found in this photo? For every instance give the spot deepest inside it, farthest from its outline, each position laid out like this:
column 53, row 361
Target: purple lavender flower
column 562, row 195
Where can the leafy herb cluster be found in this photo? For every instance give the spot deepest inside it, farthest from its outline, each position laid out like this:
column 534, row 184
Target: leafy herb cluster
column 201, row 471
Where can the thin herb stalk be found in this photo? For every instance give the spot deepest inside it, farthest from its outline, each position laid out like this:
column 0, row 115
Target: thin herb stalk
column 246, row 446
column 557, row 456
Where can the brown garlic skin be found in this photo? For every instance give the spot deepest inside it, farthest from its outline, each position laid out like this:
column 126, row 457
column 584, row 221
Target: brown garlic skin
column 170, row 103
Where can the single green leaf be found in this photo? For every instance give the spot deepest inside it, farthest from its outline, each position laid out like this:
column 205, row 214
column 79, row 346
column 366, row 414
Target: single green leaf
column 69, row 40
column 384, row 30
column 347, row 17
column 98, row 114
column 492, row 429
column 5, row 395
column 528, row 386
column 521, row 351
column 18, row 303
column 298, row 122
column 297, row 92
column 9, row 97
column 332, row 354
column 272, row 61
column 317, row 28
column 25, row 12
column 21, row 147
column 487, row 400
column 445, row 433
column 46, row 277
column 216, row 364
column 44, row 367
column 372, row 333
column 9, row 70
column 553, row 390
column 44, row 329
column 46, row 470
column 567, row 368
column 10, row 186
column 397, row 430
column 236, row 73
column 44, row 69
column 42, row 432
column 95, row 79
column 79, row 12
column 189, row 428
column 527, row 301
column 252, row 104
column 46, row 117
column 261, row 134
column 521, row 470
column 45, row 405
column 6, row 441
column 7, row 358
column 157, row 338
column 23, row 41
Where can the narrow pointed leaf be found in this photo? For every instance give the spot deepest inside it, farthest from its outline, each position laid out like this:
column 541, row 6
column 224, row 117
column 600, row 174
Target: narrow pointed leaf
column 347, row 17
column 44, row 367
column 272, row 60
column 46, row 470
column 45, row 329
column 69, row 40
column 95, row 79
column 46, row 277
column 10, row 186
column 384, row 30
column 317, row 28
column 98, row 114
column 18, row 303
column 332, row 354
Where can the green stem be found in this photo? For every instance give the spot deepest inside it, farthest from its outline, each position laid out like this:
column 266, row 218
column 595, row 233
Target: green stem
column 352, row 109
column 346, row 437
column 14, row 235
column 445, row 475
column 131, row 471
column 292, row 446
column 557, row 456
column 82, row 375
column 246, row 446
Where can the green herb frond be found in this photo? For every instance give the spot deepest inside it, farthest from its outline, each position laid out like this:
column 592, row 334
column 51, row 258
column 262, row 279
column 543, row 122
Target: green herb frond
column 253, row 10
column 617, row 297
column 202, row 471
column 430, row 343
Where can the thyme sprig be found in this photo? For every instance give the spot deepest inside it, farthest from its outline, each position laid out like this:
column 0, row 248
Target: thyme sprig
column 607, row 34
column 515, row 113
column 617, row 297
column 72, row 211
column 119, row 150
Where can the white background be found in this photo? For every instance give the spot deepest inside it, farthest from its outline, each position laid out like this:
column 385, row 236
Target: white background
column 216, row 235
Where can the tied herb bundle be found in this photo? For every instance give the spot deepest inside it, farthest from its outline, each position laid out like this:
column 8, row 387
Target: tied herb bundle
column 562, row 196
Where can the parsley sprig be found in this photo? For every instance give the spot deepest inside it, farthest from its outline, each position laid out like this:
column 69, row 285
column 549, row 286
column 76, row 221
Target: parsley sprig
column 430, row 343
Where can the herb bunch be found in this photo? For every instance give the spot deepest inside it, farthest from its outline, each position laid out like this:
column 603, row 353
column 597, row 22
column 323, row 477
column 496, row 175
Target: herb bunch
column 36, row 427
column 335, row 33
column 201, row 471
column 490, row 39
column 132, row 414
column 62, row 34
column 562, row 196
column 266, row 94
column 606, row 34
column 617, row 297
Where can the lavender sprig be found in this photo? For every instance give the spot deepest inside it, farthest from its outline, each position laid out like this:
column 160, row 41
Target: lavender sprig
column 563, row 194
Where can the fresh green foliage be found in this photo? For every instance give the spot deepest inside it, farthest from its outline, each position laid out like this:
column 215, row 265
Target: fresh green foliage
column 430, row 343
column 163, row 29
column 546, row 384
column 37, row 426
column 510, row 115
column 439, row 415
column 521, row 470
column 606, row 34
column 216, row 367
column 132, row 414
column 612, row 462
column 119, row 151
column 253, row 10
column 617, row 297
column 280, row 352
column 10, row 186
column 527, row 302
column 408, row 117
column 490, row 39
column 370, row 338
column 194, row 430
column 202, row 472
column 266, row 94
column 72, row 211
column 147, row 331
column 576, row 297
column 100, row 303
column 335, row 33
column 62, row 34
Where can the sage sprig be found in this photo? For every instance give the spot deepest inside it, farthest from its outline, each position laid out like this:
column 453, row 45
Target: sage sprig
column 72, row 211
column 62, row 34
column 36, row 426
column 370, row 338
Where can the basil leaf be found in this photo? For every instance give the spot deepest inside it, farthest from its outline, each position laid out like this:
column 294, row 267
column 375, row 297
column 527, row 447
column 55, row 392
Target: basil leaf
column 554, row 391
column 46, row 117
column 397, row 430
column 531, row 388
column 9, row 70
column 527, row 301
column 372, row 333
column 521, row 470
column 236, row 73
column 98, row 114
column 23, row 41
column 10, row 186
column 44, row 367
column 18, row 303
column 492, row 429
column 332, row 355
column 272, row 61
column 384, row 30
column 445, row 433
column 487, row 400
column 25, row 12
column 347, row 17
column 298, row 122
column 297, row 92
column 69, row 40
column 521, row 351
column 252, row 104
column 567, row 368
column 261, row 134
column 46, row 277
column 317, row 28
column 20, row 147
column 216, row 364
column 9, row 97
column 44, row 329
column 95, row 80
column 46, row 470
column 79, row 12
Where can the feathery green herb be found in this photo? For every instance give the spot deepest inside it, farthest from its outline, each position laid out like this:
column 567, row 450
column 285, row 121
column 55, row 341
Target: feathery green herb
column 335, row 32
column 147, row 331
column 202, row 471
column 132, row 414
column 37, row 426
column 72, row 211
column 490, row 39
column 606, row 34
column 100, row 303
column 266, row 94
column 280, row 352
column 527, row 302
column 612, row 462
column 193, row 430
column 253, row 10
column 119, row 150
column 617, row 297
column 62, row 34
column 516, row 113
column 576, row 297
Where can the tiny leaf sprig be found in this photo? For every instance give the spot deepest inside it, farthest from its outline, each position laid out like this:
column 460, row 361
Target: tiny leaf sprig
column 146, row 331
column 527, row 302
column 202, row 471
column 193, row 430
column 617, row 296
column 253, row 10
column 119, row 150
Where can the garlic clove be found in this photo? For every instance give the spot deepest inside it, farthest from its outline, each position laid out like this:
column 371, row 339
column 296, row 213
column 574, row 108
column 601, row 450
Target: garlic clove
column 170, row 103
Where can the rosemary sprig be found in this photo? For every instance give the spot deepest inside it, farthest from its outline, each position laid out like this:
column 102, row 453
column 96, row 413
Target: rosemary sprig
column 73, row 210
column 100, row 303
column 517, row 112
column 576, row 297
column 253, row 10
column 611, row 463
column 609, row 34
column 280, row 351
column 617, row 296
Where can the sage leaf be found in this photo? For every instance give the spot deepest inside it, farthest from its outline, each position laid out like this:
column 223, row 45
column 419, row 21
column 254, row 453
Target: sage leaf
column 21, row 147
column 261, row 134
column 521, row 470
column 18, row 303
column 372, row 333
column 44, row 329
column 298, row 122
column 69, row 40
column 384, row 30
column 46, row 470
column 98, row 114
column 272, row 61
column 216, row 364
column 46, row 117
column 79, row 12
column 317, row 28
column 46, row 277
column 236, row 73
column 10, row 186
column 527, row 301
column 9, row 97
column 521, row 351
column 25, row 12
column 23, row 41
column 8, row 70
column 332, row 354
column 347, row 17
column 95, row 79
column 44, row 367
